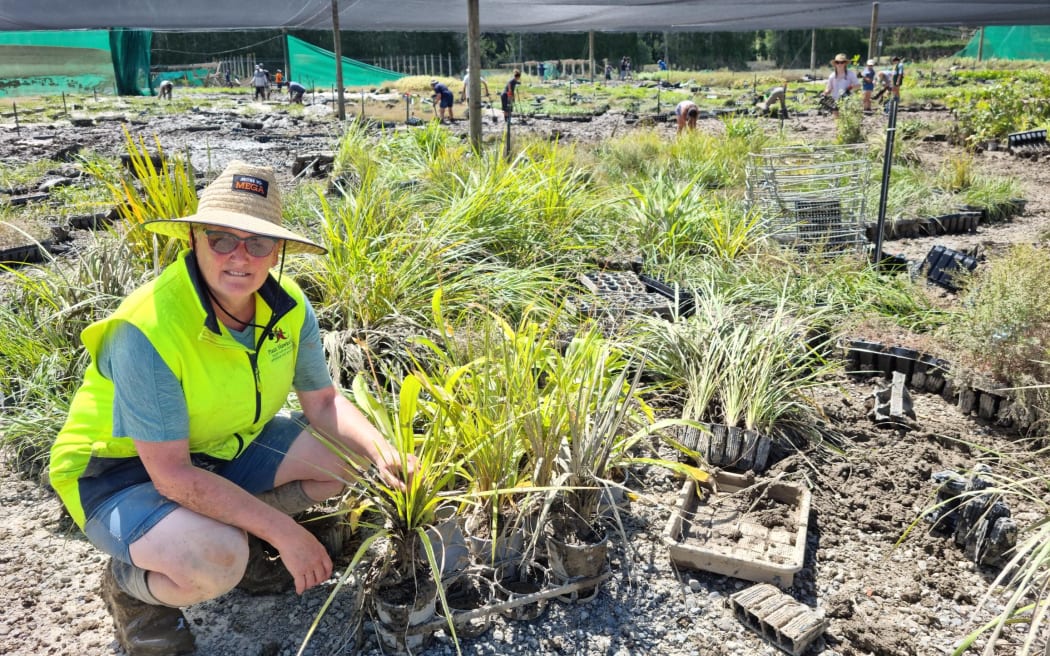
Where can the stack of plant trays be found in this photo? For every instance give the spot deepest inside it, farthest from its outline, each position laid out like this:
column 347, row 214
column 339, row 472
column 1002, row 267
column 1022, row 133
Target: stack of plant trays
column 621, row 292
column 1030, row 143
column 811, row 198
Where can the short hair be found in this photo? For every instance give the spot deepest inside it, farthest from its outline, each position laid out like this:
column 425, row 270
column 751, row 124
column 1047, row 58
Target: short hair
column 896, row 58
column 693, row 111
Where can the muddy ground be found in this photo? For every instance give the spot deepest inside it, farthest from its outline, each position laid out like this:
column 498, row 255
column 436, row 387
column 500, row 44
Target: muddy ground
column 882, row 599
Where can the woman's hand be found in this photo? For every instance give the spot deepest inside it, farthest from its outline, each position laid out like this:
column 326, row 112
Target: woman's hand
column 392, row 470
column 304, row 557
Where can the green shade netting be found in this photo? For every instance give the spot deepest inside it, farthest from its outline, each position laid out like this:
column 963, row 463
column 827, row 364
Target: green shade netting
column 1016, row 42
column 44, row 63
column 315, row 67
column 130, row 50
column 48, row 63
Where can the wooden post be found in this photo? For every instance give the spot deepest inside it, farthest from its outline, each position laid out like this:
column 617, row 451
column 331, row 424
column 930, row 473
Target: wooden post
column 474, row 81
column 813, row 52
column 590, row 53
column 338, row 50
column 980, row 43
column 872, row 35
column 284, row 48
column 14, row 108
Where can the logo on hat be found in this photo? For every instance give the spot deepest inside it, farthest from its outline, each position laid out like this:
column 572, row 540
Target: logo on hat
column 251, row 184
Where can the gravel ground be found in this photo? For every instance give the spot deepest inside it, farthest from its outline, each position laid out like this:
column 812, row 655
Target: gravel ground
column 918, row 598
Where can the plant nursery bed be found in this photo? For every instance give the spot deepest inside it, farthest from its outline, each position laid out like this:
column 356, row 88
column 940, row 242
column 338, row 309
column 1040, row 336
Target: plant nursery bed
column 752, row 531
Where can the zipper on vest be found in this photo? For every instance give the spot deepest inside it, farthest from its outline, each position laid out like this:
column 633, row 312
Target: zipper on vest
column 253, row 359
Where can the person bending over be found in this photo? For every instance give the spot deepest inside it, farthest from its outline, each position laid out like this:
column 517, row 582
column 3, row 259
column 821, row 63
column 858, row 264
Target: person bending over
column 443, row 99
column 176, row 452
column 686, row 113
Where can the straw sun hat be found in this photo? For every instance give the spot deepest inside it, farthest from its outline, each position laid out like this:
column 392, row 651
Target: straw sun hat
column 841, row 57
column 243, row 197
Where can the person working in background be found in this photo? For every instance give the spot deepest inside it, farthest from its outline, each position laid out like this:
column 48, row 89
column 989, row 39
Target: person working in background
column 295, row 92
column 466, row 87
column 176, row 454
column 867, row 83
column 776, row 95
column 686, row 113
column 507, row 97
column 841, row 81
column 166, row 88
column 443, row 99
column 278, row 79
column 261, row 82
column 898, row 77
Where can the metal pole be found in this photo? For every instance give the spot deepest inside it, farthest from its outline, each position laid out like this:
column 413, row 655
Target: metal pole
column 18, row 128
column 980, row 44
column 338, row 50
column 474, row 79
column 887, row 166
column 506, row 150
column 874, row 30
column 65, row 110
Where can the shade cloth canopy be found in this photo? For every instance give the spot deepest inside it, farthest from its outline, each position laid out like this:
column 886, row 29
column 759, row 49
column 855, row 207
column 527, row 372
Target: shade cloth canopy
column 514, row 15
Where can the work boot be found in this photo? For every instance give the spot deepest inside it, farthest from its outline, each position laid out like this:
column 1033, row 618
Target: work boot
column 265, row 573
column 144, row 629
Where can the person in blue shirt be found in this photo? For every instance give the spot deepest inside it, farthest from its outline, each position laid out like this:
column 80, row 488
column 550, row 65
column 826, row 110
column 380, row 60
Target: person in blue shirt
column 443, row 99
column 661, row 64
column 867, row 83
column 295, row 92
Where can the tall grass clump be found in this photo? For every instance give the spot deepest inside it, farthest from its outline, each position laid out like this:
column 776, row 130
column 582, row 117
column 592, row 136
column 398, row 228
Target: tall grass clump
column 849, row 128
column 740, row 367
column 43, row 313
column 1003, row 324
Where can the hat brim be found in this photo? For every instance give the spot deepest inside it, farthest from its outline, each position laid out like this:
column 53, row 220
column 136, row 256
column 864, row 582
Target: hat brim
column 180, row 229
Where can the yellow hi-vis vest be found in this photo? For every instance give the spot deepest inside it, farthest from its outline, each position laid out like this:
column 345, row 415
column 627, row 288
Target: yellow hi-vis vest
column 231, row 392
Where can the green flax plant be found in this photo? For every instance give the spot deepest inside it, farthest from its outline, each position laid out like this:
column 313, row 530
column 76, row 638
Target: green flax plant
column 148, row 192
column 415, row 426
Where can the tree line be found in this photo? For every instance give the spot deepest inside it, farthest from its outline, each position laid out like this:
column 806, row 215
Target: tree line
column 682, row 50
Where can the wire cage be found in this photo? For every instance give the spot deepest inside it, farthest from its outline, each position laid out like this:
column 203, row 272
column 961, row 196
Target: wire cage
column 811, row 197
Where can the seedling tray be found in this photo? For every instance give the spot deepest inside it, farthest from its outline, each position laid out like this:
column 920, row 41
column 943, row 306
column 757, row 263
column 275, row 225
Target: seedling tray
column 781, row 620
column 755, row 532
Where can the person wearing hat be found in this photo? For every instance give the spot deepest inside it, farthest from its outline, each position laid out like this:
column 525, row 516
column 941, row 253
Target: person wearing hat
column 261, row 82
column 278, row 79
column 176, row 454
column 867, row 83
column 685, row 114
column 841, row 81
column 443, row 100
column 898, row 77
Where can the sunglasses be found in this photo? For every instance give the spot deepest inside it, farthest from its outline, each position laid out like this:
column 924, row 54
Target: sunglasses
column 225, row 243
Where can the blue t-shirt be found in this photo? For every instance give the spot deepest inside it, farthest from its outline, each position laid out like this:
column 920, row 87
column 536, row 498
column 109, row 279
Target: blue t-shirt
column 148, row 403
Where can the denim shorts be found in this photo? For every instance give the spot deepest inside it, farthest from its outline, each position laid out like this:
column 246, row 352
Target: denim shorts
column 128, row 513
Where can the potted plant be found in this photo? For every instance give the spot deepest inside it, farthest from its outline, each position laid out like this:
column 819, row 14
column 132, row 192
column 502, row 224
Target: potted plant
column 405, row 581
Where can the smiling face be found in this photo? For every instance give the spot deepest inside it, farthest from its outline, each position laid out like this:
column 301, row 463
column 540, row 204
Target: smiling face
column 234, row 277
